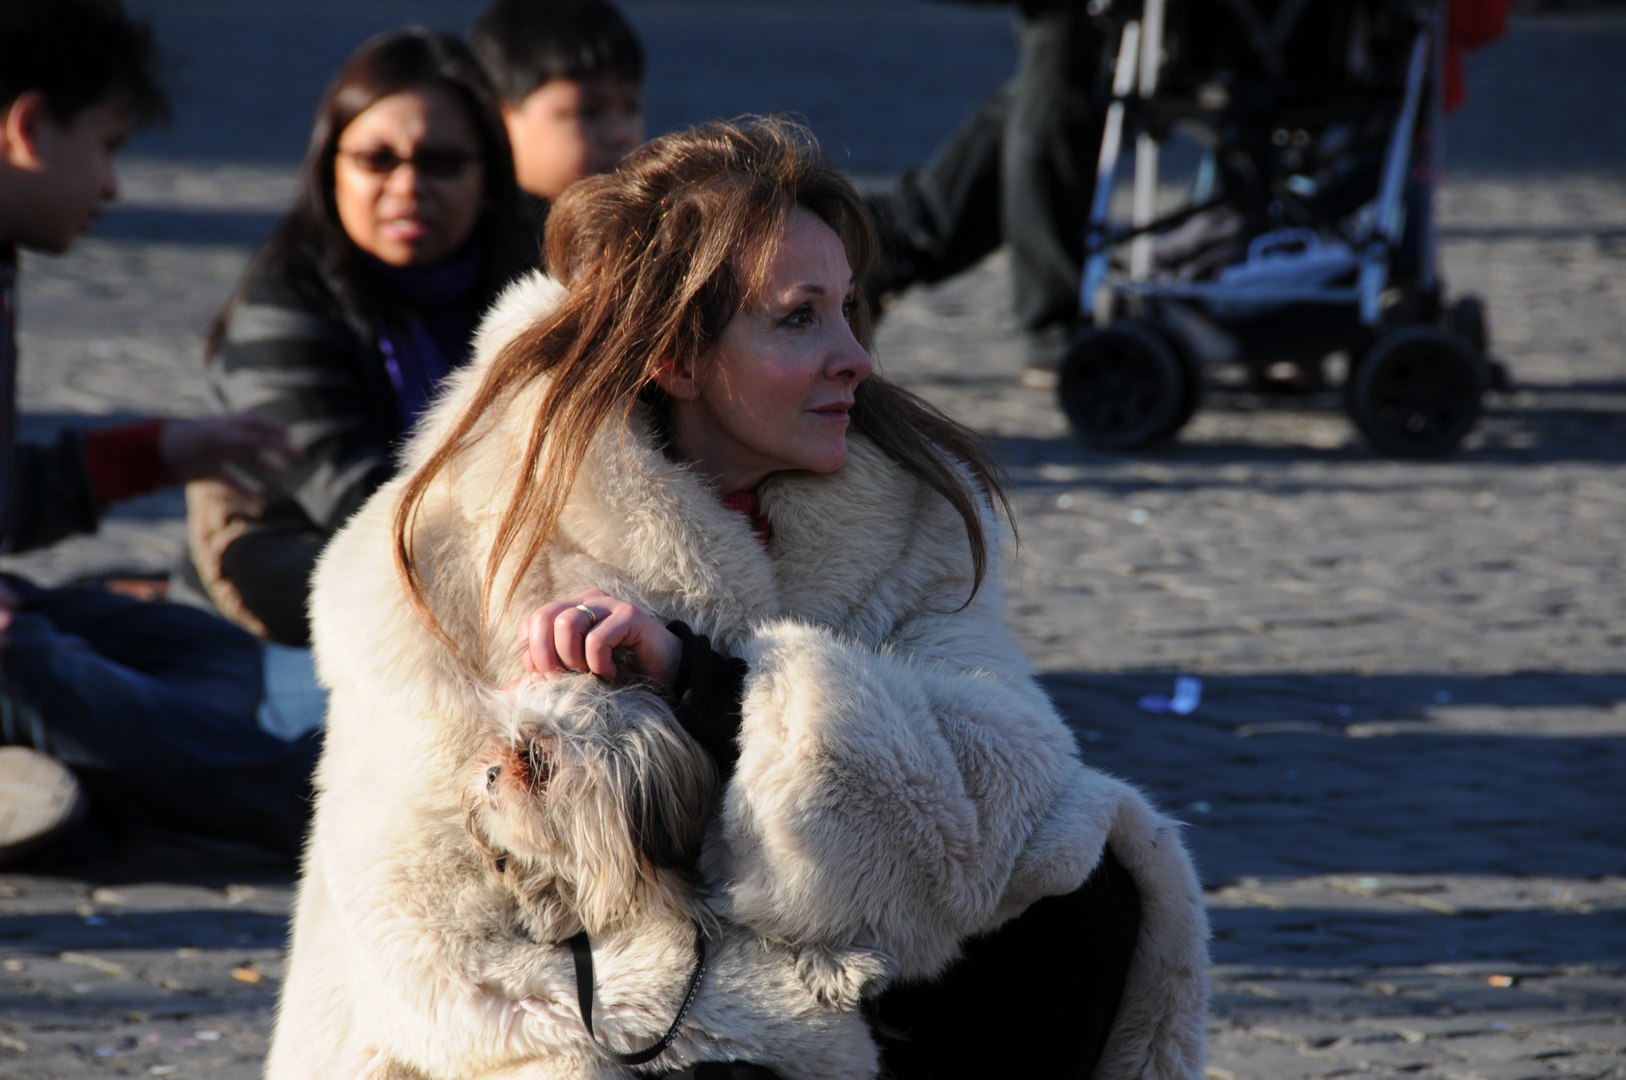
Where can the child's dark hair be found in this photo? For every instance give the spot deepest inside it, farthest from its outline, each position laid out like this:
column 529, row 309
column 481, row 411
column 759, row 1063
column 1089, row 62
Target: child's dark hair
column 78, row 54
column 526, row 43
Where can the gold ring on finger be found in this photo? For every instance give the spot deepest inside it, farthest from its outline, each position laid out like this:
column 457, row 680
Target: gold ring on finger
column 591, row 615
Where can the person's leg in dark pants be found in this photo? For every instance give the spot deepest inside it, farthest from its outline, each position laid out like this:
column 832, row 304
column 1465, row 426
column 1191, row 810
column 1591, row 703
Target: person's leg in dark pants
column 942, row 218
column 1048, row 160
column 1035, row 998
column 154, row 705
column 1019, row 172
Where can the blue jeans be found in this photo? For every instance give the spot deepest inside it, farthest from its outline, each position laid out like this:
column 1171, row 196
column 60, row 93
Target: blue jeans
column 154, row 708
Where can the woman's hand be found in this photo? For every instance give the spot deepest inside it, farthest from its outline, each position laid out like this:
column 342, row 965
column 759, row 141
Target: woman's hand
column 577, row 635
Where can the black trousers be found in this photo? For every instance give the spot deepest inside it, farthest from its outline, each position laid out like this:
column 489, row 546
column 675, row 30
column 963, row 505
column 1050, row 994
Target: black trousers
column 1020, row 172
column 1035, row 998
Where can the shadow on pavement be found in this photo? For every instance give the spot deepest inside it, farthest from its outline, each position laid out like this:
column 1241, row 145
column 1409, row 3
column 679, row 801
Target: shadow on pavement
column 1538, row 425
column 100, row 851
column 1465, row 785
column 198, row 929
column 1384, row 820
column 1333, row 936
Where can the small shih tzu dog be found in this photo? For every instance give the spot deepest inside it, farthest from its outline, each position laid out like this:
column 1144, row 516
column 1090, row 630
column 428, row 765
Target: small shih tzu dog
column 590, row 804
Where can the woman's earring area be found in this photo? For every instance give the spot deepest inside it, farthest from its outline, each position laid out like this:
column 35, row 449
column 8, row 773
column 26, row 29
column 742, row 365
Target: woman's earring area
column 675, row 379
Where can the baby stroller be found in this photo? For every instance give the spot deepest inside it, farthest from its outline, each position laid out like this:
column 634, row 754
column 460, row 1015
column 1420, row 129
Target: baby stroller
column 1307, row 231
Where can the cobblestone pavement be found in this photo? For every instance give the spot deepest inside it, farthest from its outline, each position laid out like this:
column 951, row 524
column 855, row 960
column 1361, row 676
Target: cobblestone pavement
column 1404, row 782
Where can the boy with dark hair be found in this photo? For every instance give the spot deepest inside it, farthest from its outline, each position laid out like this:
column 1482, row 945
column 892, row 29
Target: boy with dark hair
column 570, row 75
column 77, row 55
column 153, row 703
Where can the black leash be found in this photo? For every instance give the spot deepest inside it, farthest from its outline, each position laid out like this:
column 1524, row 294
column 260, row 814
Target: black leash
column 581, row 950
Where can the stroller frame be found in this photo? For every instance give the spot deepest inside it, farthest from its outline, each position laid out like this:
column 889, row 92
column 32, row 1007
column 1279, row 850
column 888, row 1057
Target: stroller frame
column 1418, row 372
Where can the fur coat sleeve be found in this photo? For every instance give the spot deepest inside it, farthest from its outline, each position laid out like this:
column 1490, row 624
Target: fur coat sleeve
column 904, row 783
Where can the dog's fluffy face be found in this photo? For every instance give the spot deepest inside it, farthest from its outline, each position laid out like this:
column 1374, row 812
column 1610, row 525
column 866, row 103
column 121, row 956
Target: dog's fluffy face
column 512, row 803
column 591, row 803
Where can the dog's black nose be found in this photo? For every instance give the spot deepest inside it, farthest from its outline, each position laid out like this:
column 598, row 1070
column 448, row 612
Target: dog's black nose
column 491, row 776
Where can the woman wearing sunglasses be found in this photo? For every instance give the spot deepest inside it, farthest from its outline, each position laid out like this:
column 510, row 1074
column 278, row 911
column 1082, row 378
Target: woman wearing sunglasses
column 361, row 302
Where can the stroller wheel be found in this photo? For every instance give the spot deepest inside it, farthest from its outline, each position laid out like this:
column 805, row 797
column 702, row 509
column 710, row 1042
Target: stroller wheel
column 1122, row 386
column 1417, row 393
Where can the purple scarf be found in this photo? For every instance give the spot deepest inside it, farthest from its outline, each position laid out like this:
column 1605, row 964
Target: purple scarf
column 429, row 333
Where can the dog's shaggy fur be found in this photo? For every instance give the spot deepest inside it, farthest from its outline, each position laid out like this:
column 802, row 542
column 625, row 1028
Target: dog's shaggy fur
column 903, row 782
column 589, row 804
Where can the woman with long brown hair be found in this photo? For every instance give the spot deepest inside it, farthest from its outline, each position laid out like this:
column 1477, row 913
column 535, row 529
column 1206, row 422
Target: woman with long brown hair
column 674, row 473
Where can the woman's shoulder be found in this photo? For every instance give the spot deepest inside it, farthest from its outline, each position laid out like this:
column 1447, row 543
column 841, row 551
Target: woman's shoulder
column 527, row 298
column 363, row 626
column 287, row 301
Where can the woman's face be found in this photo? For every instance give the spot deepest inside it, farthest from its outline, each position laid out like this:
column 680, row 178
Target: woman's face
column 774, row 392
column 408, row 179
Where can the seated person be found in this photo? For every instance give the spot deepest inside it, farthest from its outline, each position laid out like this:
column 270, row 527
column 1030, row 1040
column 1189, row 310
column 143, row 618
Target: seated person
column 404, row 229
column 895, row 778
column 152, row 704
column 570, row 75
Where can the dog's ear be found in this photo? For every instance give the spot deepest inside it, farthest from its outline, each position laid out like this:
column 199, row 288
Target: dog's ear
column 638, row 817
column 660, row 832
column 669, row 800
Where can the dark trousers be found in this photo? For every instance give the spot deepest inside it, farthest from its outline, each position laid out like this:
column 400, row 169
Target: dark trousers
column 1035, row 998
column 153, row 707
column 1019, row 172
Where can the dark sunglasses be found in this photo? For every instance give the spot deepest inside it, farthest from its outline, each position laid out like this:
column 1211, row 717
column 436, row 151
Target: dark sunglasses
column 435, row 164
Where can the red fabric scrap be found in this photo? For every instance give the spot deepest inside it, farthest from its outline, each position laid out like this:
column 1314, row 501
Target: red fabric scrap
column 745, row 502
column 1470, row 25
column 124, row 461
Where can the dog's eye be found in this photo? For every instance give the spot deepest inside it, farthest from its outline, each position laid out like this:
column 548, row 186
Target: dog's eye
column 492, row 774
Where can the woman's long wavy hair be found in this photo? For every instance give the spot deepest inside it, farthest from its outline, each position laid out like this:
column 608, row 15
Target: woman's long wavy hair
column 656, row 258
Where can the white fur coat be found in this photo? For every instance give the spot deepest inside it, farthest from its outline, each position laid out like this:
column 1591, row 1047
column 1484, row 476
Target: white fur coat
column 903, row 781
